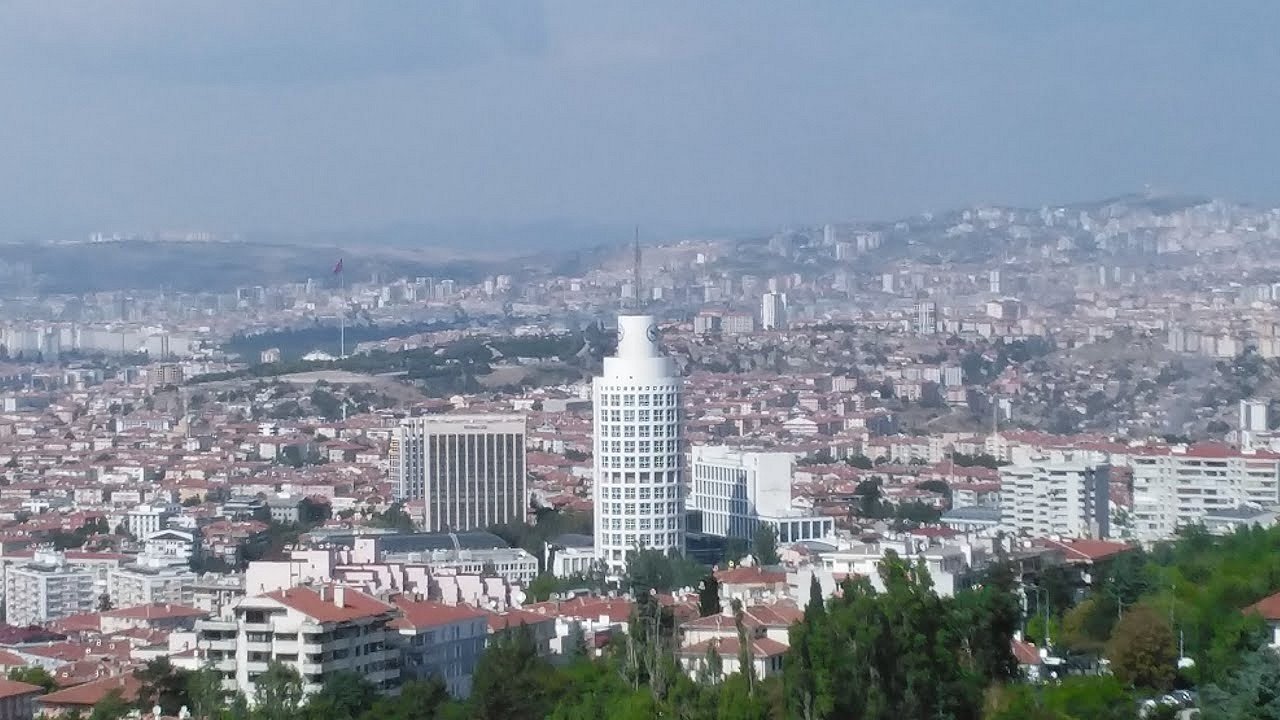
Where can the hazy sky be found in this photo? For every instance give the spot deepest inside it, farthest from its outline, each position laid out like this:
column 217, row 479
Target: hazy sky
column 274, row 114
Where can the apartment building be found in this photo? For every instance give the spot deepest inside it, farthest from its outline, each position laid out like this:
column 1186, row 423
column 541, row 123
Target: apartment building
column 318, row 631
column 1181, row 485
column 47, row 588
column 151, row 581
column 440, row 640
column 1043, row 498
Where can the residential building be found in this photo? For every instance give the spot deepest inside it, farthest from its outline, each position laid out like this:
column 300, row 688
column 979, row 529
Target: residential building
column 147, row 519
column 175, row 546
column 1179, row 485
column 926, row 317
column 469, row 470
column 637, row 456
column 440, row 640
column 1043, row 498
column 737, row 491
column 149, row 581
column 46, row 589
column 317, row 631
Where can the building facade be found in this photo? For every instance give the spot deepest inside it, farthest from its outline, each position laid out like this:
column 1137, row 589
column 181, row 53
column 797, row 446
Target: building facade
column 438, row 640
column 1043, row 498
column 1178, row 486
column 318, row 632
column 47, row 589
column 639, row 499
column 736, row 491
column 469, row 470
column 151, row 580
column 773, row 311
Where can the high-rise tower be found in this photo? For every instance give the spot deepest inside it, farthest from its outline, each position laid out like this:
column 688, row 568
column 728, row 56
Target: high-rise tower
column 639, row 488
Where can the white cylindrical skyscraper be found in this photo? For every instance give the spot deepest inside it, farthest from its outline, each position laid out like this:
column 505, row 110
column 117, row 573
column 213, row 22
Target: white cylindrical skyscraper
column 639, row 487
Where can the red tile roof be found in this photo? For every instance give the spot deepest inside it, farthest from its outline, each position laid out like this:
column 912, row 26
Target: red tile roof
column 729, row 647
column 1026, row 653
column 325, row 608
column 12, row 688
column 415, row 614
column 1088, row 550
column 1268, row 607
column 155, row 611
column 93, row 692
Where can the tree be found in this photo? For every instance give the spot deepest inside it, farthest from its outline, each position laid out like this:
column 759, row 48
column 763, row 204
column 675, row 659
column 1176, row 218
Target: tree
column 162, row 684
column 110, row 707
column 764, row 545
column 344, row 696
column 1142, row 650
column 277, row 693
column 34, row 675
column 574, row 645
column 204, row 689
column 418, row 700
column 1249, row 693
column 709, row 596
column 511, row 681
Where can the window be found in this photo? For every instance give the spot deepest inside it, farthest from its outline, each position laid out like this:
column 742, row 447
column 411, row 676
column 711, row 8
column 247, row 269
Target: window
column 628, row 400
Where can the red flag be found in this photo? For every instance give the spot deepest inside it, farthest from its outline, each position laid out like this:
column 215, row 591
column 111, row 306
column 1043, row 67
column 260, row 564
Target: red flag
column 337, row 268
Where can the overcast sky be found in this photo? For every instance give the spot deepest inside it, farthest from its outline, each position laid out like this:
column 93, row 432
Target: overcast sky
column 125, row 114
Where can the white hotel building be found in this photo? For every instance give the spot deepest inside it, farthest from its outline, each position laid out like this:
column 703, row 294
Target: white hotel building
column 469, row 470
column 1182, row 485
column 736, row 491
column 638, row 464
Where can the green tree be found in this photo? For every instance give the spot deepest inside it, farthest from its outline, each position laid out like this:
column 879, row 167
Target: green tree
column 709, row 596
column 417, row 700
column 204, row 688
column 343, row 696
column 162, row 684
column 34, row 675
column 764, row 545
column 1252, row 692
column 111, row 707
column 1142, row 650
column 512, row 682
column 277, row 693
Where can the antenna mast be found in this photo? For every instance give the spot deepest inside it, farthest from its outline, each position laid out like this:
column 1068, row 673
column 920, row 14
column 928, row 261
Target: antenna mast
column 635, row 272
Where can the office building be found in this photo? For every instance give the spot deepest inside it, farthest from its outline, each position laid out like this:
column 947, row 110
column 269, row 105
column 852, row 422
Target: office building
column 469, row 470
column 773, row 311
column 47, row 589
column 639, row 500
column 736, row 491
column 1179, row 485
column 1041, row 498
column 318, row 632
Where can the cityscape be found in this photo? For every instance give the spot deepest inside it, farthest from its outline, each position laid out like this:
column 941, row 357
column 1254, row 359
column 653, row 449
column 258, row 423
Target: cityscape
column 990, row 461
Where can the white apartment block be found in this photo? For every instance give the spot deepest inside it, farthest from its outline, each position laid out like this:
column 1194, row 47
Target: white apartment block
column 147, row 519
column 738, row 490
column 316, row 631
column 469, row 470
column 1043, row 498
column 47, row 589
column 1178, row 486
column 149, row 581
